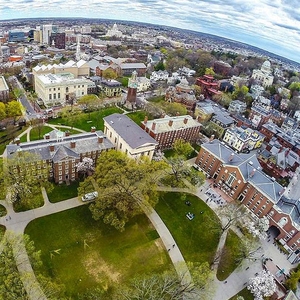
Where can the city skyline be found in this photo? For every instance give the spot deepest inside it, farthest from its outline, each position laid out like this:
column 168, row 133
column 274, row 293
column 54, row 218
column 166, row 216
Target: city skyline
column 271, row 25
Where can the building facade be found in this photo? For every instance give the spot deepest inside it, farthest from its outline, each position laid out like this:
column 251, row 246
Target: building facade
column 166, row 131
column 60, row 152
column 4, row 90
column 128, row 137
column 241, row 178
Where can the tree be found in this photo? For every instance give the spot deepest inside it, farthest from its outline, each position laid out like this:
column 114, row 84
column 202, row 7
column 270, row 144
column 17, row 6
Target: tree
column 240, row 92
column 247, row 249
column 14, row 109
column 229, row 215
column 159, row 66
column 38, row 124
column 2, row 111
column 170, row 286
column 89, row 102
column 70, row 114
column 86, row 166
column 292, row 282
column 183, row 148
column 261, row 286
column 109, row 74
column 125, row 186
column 258, row 227
column 174, row 109
column 209, row 71
column 24, row 175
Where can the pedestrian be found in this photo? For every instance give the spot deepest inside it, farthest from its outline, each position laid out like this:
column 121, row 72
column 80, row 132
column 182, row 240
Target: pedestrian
column 225, row 281
column 10, row 217
column 173, row 245
column 247, row 268
column 169, row 249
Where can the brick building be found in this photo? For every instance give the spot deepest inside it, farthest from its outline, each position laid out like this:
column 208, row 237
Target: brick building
column 60, row 152
column 169, row 129
column 208, row 85
column 241, row 178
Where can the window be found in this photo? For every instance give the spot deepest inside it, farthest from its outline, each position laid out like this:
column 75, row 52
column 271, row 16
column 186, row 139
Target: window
column 231, row 179
column 120, row 146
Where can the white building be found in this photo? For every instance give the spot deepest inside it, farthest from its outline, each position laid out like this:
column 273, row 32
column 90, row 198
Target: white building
column 128, row 137
column 264, row 75
column 59, row 89
column 237, row 107
column 159, row 75
column 46, row 33
column 114, row 32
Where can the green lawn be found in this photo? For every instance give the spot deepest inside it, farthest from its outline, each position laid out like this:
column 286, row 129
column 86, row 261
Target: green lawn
column 84, row 122
column 227, row 262
column 83, row 253
column 37, row 133
column 62, row 192
column 244, row 293
column 196, row 242
column 139, row 116
column 2, row 231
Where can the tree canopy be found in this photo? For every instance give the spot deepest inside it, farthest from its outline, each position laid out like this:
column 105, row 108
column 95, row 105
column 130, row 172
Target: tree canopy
column 109, row 74
column 124, row 185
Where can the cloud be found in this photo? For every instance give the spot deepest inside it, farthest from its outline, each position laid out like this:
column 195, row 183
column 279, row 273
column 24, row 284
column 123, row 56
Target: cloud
column 255, row 22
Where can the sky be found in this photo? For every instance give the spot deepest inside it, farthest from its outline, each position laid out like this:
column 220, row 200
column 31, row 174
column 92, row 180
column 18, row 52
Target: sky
column 273, row 25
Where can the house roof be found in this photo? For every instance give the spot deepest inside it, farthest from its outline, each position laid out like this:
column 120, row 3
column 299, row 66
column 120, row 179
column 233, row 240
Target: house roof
column 133, row 66
column 249, row 168
column 84, row 142
column 130, row 132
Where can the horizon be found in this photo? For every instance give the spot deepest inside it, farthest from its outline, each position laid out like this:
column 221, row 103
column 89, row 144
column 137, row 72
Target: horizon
column 254, row 24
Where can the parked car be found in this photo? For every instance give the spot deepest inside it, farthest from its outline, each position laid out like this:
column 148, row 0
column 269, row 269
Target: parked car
column 89, row 196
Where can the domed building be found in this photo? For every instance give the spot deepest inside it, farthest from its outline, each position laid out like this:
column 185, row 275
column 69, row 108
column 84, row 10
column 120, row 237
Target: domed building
column 114, row 31
column 264, row 74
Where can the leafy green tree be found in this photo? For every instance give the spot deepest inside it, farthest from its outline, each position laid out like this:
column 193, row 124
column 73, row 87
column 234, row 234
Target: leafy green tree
column 174, row 109
column 240, row 92
column 159, row 66
column 18, row 92
column 124, row 186
column 109, row 74
column 294, row 86
column 183, row 148
column 292, row 281
column 24, row 175
column 70, row 114
column 209, row 71
column 89, row 102
column 2, row 111
column 14, row 109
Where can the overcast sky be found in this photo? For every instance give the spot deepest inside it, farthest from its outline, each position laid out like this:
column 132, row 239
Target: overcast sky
column 273, row 25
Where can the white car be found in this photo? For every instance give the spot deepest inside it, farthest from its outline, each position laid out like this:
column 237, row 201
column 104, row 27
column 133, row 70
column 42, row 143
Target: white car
column 89, row 196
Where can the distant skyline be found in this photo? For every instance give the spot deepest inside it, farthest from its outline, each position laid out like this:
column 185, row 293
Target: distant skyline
column 273, row 25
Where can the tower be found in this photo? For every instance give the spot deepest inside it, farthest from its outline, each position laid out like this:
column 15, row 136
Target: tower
column 78, row 55
column 132, row 88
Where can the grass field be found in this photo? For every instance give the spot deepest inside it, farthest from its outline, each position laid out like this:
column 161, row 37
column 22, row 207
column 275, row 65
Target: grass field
column 37, row 133
column 196, row 242
column 84, row 122
column 139, row 116
column 244, row 293
column 83, row 253
column 227, row 262
column 62, row 192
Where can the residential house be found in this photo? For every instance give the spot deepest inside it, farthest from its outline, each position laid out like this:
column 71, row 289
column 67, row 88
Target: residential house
column 240, row 177
column 219, row 122
column 111, row 88
column 182, row 93
column 60, row 152
column 237, row 107
column 241, row 139
column 208, row 85
column 128, row 137
column 166, row 131
column 159, row 75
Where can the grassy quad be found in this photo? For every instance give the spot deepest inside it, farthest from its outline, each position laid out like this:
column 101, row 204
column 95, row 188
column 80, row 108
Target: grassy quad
column 62, row 192
column 83, row 253
column 84, row 122
column 196, row 242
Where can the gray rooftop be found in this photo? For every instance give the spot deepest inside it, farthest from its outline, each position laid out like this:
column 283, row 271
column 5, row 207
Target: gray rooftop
column 248, row 166
column 84, row 142
column 132, row 134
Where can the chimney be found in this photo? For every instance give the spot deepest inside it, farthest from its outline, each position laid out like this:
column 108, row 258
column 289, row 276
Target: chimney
column 231, row 157
column 51, row 148
column 73, row 144
column 170, row 123
column 153, row 125
column 252, row 173
column 146, row 119
column 100, row 139
column 93, row 129
column 47, row 136
column 67, row 133
column 17, row 141
column 185, row 120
